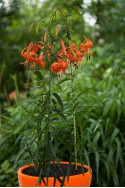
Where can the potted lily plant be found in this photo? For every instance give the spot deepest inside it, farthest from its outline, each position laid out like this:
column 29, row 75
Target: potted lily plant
column 55, row 60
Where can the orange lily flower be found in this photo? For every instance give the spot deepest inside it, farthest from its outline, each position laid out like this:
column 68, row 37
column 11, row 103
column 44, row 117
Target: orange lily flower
column 29, row 53
column 64, row 65
column 83, row 48
column 55, row 67
column 39, row 60
column 59, row 66
column 74, row 54
column 63, row 47
column 88, row 43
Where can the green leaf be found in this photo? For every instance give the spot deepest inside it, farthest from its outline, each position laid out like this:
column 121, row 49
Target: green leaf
column 27, row 111
column 96, row 137
column 53, row 101
column 97, row 165
column 54, row 183
column 64, row 80
column 115, row 176
column 40, row 180
column 69, row 170
column 114, row 134
column 59, row 113
column 113, row 110
column 87, row 157
column 107, row 107
column 119, row 155
column 37, row 27
column 38, row 74
column 110, row 155
column 31, row 27
column 61, row 181
column 119, row 110
column 106, row 167
column 76, row 105
column 58, row 99
column 68, row 96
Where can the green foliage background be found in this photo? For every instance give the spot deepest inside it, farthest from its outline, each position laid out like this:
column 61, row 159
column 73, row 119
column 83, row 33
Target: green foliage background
column 102, row 120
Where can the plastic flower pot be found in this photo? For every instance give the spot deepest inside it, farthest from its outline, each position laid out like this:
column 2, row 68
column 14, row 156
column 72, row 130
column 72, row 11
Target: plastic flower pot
column 79, row 180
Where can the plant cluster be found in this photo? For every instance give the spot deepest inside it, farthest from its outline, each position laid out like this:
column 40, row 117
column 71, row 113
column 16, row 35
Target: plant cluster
column 63, row 59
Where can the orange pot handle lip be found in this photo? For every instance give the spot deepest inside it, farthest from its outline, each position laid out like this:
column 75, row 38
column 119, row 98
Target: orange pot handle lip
column 24, row 175
column 62, row 162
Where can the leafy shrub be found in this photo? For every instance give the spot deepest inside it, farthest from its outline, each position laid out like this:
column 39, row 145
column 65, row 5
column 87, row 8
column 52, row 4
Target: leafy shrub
column 8, row 175
column 12, row 147
column 102, row 125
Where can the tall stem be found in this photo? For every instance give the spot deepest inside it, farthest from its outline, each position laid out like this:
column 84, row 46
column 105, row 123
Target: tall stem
column 48, row 116
column 74, row 119
column 39, row 135
column 73, row 107
column 49, row 94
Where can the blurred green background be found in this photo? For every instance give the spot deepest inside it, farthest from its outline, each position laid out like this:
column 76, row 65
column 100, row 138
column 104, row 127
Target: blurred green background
column 103, row 124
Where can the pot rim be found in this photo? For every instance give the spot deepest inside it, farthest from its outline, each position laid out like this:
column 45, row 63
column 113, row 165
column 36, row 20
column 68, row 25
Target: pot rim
column 62, row 162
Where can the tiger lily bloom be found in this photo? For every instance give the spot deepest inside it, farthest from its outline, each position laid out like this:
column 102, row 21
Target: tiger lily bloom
column 29, row 53
column 59, row 66
column 88, row 43
column 63, row 47
column 74, row 54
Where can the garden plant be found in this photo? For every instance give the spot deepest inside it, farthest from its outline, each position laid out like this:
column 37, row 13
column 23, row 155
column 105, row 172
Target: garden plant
column 57, row 53
column 100, row 112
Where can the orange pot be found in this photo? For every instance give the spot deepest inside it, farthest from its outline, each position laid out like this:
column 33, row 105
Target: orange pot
column 80, row 180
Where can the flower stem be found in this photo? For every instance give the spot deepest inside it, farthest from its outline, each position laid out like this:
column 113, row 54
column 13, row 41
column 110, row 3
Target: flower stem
column 74, row 119
column 75, row 141
column 48, row 120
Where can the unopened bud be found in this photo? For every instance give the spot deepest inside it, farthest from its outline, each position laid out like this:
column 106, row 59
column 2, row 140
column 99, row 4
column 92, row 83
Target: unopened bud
column 97, row 26
column 46, row 76
column 72, row 95
column 101, row 41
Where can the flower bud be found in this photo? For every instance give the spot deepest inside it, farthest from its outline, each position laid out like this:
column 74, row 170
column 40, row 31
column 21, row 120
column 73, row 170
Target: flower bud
column 72, row 95
column 46, row 76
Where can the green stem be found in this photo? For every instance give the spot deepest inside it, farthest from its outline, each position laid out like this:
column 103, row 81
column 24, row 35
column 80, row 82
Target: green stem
column 49, row 99
column 48, row 118
column 75, row 141
column 39, row 135
column 38, row 129
column 74, row 120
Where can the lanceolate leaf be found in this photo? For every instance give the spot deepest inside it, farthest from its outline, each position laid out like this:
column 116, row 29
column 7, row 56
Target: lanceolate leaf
column 80, row 94
column 107, row 107
column 31, row 27
column 53, row 101
column 38, row 74
column 64, row 80
column 87, row 158
column 69, row 170
column 119, row 110
column 58, row 99
column 114, row 134
column 97, row 164
column 107, row 167
column 83, row 92
column 61, row 180
column 118, row 154
column 40, row 180
column 37, row 27
column 59, row 113
column 115, row 177
column 28, row 111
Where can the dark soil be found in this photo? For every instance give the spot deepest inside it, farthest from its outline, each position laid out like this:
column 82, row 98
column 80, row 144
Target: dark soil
column 61, row 170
